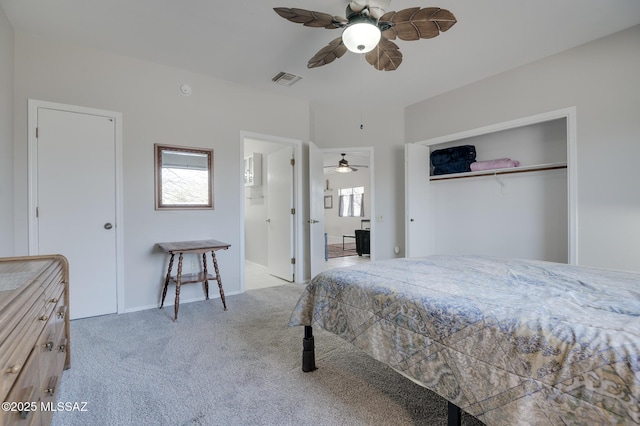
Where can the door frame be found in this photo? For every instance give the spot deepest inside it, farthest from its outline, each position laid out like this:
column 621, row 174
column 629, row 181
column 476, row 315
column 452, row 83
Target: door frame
column 32, row 180
column 372, row 197
column 298, row 230
column 569, row 114
column 317, row 256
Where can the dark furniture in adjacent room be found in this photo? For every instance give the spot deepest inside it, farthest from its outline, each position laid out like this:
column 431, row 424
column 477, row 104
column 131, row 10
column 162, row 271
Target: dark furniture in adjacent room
column 363, row 238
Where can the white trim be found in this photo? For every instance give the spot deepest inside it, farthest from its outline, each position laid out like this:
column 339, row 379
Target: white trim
column 570, row 115
column 372, row 213
column 511, row 124
column 171, row 302
column 572, row 182
column 297, row 200
column 32, row 178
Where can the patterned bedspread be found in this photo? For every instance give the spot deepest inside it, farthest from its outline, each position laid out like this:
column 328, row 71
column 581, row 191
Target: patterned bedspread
column 509, row 341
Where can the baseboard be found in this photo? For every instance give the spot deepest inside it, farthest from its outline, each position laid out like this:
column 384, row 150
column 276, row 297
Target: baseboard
column 182, row 302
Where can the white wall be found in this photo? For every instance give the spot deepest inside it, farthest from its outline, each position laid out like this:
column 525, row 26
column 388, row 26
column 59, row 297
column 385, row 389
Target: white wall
column 599, row 78
column 523, row 215
column 6, row 137
column 338, row 126
column 153, row 112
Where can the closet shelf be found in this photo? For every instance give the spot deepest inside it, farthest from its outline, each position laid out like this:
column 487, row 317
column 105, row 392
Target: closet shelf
column 510, row 170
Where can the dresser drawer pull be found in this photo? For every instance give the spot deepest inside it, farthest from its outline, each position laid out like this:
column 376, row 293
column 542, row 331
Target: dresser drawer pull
column 62, row 312
column 49, row 346
column 54, row 300
column 14, row 369
column 51, row 389
column 28, row 406
column 63, row 346
column 43, row 318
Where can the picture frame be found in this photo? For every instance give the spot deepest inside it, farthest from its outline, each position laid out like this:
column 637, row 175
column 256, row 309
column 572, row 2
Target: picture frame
column 183, row 177
column 328, row 201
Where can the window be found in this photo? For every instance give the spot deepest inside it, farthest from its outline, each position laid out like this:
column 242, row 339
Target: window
column 351, row 202
column 184, row 177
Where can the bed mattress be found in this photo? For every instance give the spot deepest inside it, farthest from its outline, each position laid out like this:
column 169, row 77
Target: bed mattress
column 510, row 341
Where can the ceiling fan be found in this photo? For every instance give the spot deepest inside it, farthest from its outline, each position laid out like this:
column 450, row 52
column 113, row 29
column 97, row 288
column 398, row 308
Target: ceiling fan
column 369, row 29
column 343, row 166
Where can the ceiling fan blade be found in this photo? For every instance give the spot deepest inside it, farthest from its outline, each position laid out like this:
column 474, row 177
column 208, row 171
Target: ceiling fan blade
column 375, row 7
column 310, row 18
column 415, row 23
column 386, row 56
column 358, row 5
column 328, row 54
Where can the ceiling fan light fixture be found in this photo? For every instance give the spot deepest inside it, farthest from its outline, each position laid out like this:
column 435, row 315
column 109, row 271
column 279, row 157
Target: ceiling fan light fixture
column 361, row 37
column 343, row 166
column 344, row 169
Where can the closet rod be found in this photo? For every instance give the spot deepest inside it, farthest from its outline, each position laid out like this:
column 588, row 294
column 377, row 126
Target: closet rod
column 498, row 172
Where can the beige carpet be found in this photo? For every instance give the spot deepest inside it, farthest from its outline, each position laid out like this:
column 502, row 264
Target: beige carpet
column 239, row 367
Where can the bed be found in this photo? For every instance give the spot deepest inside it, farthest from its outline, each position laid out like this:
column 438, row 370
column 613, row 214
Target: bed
column 509, row 341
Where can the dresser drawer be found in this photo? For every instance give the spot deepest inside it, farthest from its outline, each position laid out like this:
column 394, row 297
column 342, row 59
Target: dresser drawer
column 53, row 363
column 25, row 395
column 12, row 316
column 16, row 349
column 34, row 335
column 53, row 343
column 55, row 311
column 54, row 286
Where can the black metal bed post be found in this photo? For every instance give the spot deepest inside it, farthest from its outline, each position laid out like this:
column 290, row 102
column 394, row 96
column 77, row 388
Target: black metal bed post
column 308, row 351
column 453, row 415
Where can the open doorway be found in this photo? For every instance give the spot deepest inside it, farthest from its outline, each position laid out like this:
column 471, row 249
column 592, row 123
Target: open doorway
column 271, row 229
column 348, row 203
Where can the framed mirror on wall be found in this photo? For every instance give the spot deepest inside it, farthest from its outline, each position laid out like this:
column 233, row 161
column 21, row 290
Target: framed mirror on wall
column 183, row 177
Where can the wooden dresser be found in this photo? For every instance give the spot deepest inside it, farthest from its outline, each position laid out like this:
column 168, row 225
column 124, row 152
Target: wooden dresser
column 34, row 336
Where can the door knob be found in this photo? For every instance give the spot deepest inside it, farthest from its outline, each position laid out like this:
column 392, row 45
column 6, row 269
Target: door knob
column 412, row 219
column 268, row 221
column 312, row 221
column 108, row 225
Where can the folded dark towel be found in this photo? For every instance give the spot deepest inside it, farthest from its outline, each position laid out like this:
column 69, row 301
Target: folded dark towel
column 460, row 166
column 453, row 154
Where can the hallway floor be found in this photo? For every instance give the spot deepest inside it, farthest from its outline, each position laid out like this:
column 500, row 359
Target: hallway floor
column 256, row 276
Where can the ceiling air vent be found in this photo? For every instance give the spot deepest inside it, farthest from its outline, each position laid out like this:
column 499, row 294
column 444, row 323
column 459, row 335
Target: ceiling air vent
column 285, row 79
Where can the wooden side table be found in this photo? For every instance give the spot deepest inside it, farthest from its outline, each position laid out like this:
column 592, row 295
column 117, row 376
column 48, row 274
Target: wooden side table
column 196, row 247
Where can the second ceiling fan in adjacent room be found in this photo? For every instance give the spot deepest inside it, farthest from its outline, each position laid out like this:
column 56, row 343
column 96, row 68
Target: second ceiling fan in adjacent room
column 343, row 166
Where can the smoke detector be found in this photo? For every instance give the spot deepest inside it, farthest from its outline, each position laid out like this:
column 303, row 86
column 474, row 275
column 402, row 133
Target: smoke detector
column 285, row 79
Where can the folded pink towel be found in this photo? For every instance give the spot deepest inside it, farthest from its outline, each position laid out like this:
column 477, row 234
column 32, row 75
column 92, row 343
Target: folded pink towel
column 500, row 163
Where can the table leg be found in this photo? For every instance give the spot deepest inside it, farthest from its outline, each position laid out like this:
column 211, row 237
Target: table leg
column 166, row 281
column 215, row 266
column 206, row 281
column 178, row 278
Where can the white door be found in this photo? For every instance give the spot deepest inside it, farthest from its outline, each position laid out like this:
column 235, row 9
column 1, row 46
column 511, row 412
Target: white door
column 316, row 210
column 417, row 166
column 280, row 223
column 76, row 205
